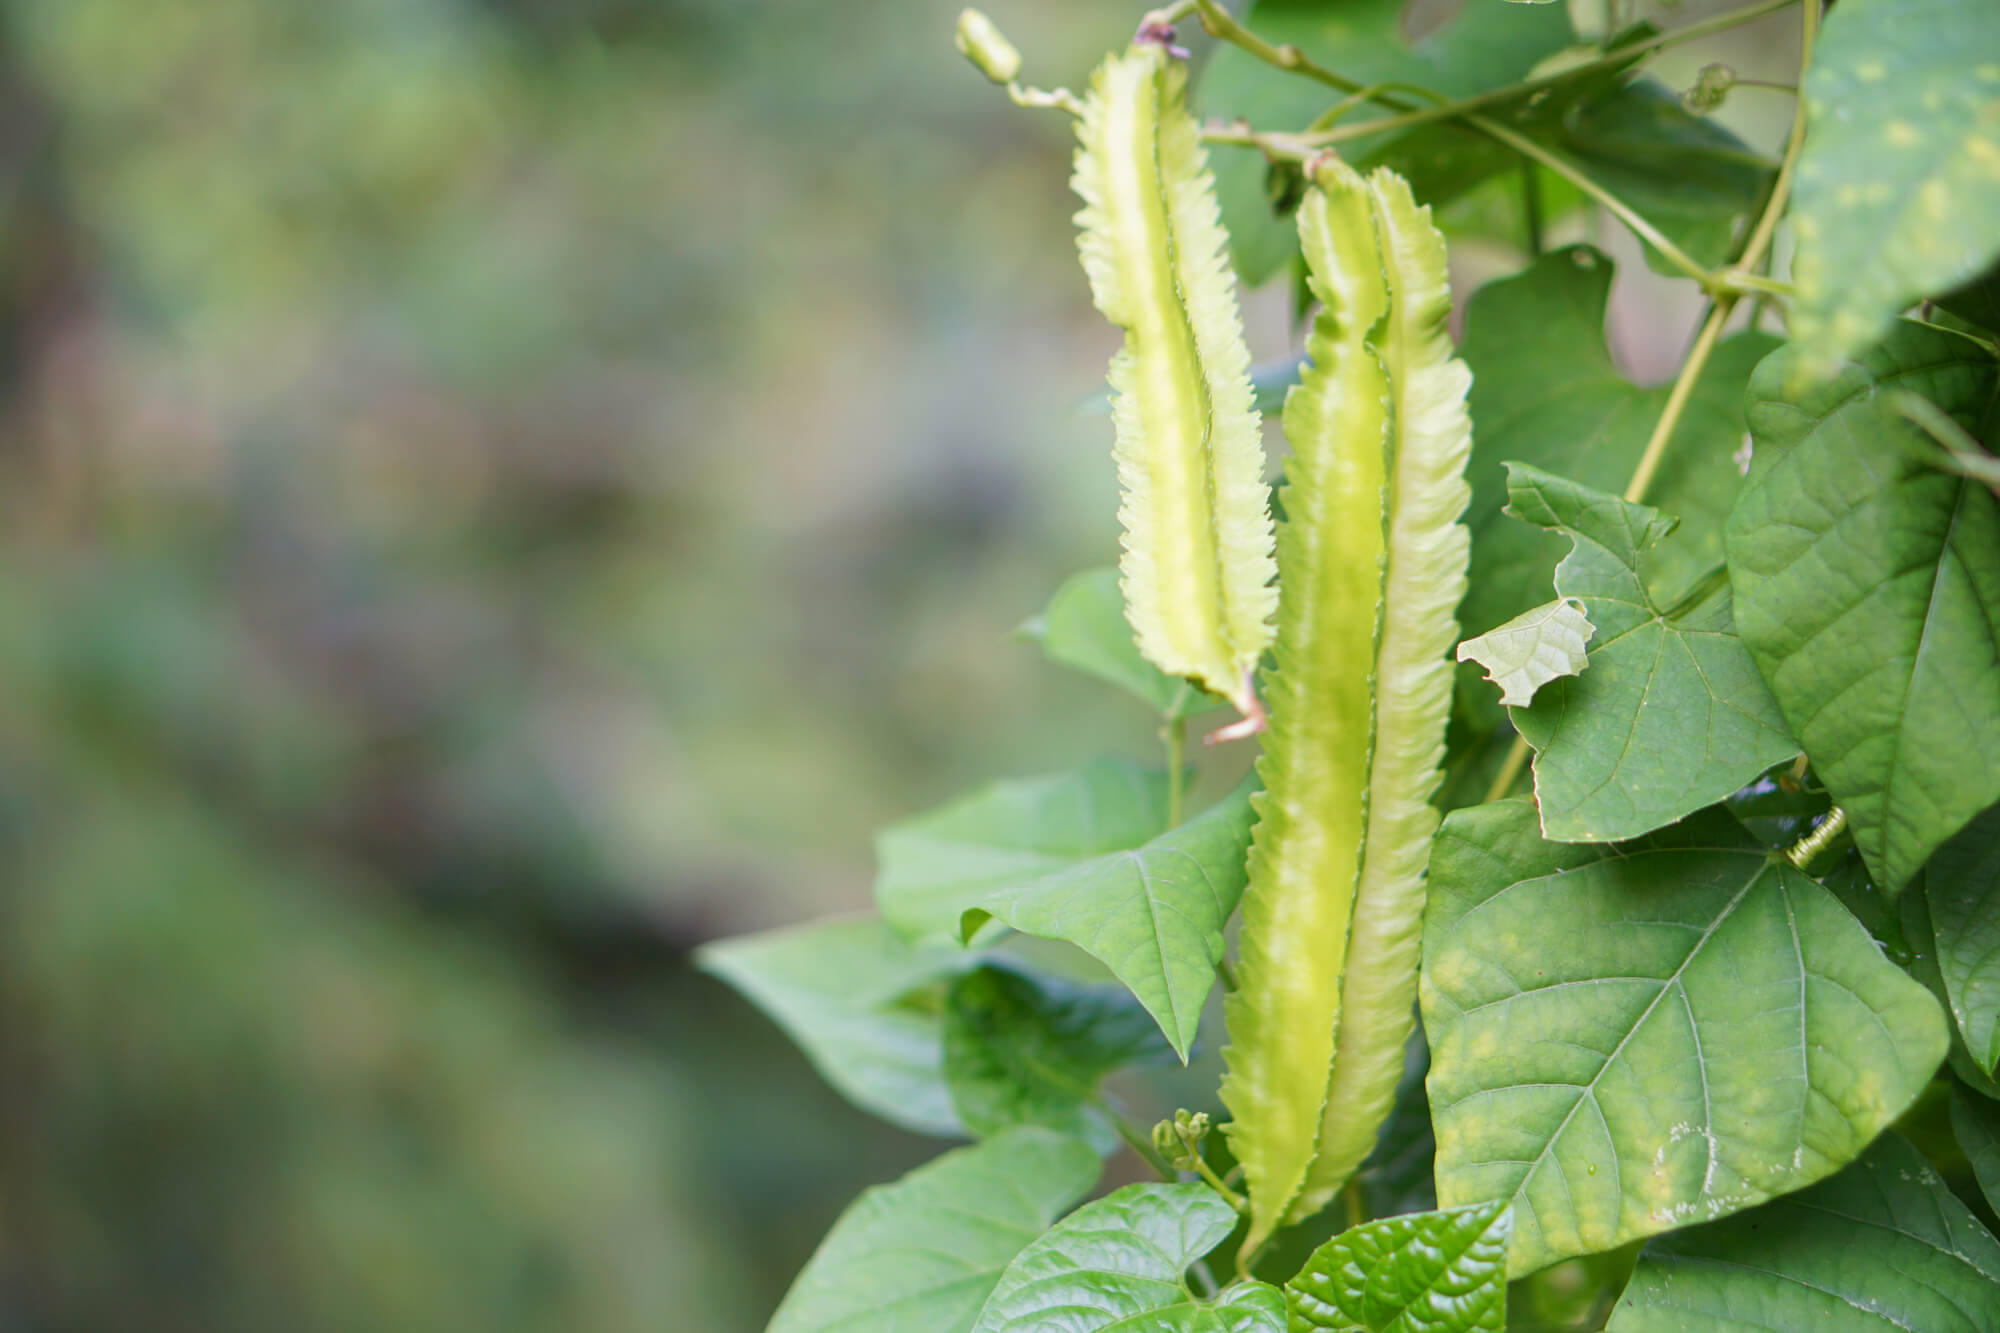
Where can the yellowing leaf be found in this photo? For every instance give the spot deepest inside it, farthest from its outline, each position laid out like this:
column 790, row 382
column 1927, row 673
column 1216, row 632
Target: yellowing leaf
column 1531, row 650
column 1198, row 567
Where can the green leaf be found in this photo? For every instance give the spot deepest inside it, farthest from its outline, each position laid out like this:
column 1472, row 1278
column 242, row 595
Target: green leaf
column 1085, row 857
column 1687, row 175
column 1024, row 1051
column 1532, row 649
column 1084, row 628
column 833, row 986
column 1913, row 918
column 1898, row 192
column 1962, row 885
column 1868, row 591
column 1976, row 1122
column 1672, row 715
column 1440, row 1272
column 1546, row 391
column 1484, row 47
column 922, row 1255
column 1883, row 1245
column 1121, row 1263
column 1625, row 1040
column 934, row 868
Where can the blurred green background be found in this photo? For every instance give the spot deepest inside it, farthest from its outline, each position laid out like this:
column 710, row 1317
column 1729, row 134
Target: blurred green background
column 497, row 493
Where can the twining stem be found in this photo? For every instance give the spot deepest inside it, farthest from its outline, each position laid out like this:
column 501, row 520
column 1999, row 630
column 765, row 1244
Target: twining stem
column 1510, row 771
column 1174, row 733
column 1726, row 293
column 1612, row 204
column 1219, row 22
column 1219, row 1185
column 1802, row 852
column 1609, row 60
column 1222, row 25
column 1677, row 399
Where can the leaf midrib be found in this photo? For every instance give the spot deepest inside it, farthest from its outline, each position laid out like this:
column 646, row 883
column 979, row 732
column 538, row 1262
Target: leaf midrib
column 1588, row 1091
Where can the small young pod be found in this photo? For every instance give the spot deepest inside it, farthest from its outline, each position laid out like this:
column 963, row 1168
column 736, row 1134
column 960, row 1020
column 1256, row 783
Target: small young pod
column 1372, row 561
column 1197, row 568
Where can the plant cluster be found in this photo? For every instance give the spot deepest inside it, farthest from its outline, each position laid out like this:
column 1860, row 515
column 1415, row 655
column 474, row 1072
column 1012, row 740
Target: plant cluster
column 1707, row 1022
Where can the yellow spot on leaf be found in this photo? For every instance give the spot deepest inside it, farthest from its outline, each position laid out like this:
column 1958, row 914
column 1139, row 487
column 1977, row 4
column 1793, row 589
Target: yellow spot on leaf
column 1902, row 134
column 1871, row 71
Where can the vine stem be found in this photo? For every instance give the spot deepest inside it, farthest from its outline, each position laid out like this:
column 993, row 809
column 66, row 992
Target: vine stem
column 1612, row 204
column 1174, row 733
column 1726, row 294
column 1448, row 110
column 1224, row 27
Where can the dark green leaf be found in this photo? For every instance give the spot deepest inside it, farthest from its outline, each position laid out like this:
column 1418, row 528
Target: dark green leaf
column 1687, row 175
column 1083, row 858
column 1484, row 47
column 1122, row 1262
column 1084, row 628
column 1962, row 885
column 1882, row 1246
column 1671, row 714
column 1626, row 1040
column 1898, row 191
column 1424, row 1273
column 1546, row 391
column 1396, row 1178
column 833, row 987
column 1976, row 302
column 1018, row 1050
column 1868, row 590
column 1913, row 916
column 922, row 1255
column 1976, row 1122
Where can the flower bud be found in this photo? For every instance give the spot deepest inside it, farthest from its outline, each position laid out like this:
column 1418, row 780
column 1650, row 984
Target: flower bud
column 984, row 46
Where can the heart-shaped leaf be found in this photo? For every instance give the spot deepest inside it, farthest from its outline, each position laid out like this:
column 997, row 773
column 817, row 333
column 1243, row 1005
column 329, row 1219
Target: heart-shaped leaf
column 1707, row 1028
column 1546, row 391
column 1424, row 1273
column 1086, row 858
column 1882, row 1246
column 1868, row 591
column 1084, row 628
column 1898, row 193
column 1671, row 715
column 1020, row 1050
column 833, row 986
column 1122, row 1263
column 922, row 1255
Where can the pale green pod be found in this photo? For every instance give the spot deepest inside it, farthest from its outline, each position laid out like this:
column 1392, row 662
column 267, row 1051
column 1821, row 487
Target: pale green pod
column 1373, row 562
column 1305, row 855
column 1197, row 568
column 1426, row 577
